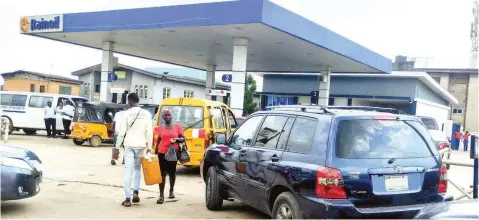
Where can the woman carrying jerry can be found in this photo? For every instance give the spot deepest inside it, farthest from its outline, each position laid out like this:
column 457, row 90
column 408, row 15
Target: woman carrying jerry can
column 167, row 136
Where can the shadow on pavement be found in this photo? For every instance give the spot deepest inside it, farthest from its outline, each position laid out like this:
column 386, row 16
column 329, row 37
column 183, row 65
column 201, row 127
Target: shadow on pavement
column 13, row 207
column 241, row 207
column 187, row 171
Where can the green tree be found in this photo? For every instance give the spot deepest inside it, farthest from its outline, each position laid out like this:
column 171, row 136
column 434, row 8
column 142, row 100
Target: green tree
column 249, row 106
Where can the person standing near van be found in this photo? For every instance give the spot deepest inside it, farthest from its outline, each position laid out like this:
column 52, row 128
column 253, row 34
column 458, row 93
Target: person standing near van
column 465, row 140
column 136, row 135
column 165, row 136
column 58, row 114
column 50, row 120
column 68, row 111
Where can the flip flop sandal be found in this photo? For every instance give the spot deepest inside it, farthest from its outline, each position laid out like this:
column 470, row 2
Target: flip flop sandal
column 160, row 200
column 126, row 203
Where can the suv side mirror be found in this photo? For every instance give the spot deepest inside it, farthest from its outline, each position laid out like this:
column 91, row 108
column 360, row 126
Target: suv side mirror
column 221, row 139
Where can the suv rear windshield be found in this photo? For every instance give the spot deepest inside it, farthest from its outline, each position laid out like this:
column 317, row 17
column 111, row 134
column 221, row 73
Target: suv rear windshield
column 382, row 139
column 186, row 116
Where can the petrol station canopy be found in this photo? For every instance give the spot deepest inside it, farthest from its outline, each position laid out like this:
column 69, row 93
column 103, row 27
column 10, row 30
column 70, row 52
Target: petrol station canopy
column 198, row 35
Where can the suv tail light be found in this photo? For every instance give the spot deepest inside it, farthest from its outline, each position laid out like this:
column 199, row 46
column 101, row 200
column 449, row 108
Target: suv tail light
column 442, row 186
column 329, row 184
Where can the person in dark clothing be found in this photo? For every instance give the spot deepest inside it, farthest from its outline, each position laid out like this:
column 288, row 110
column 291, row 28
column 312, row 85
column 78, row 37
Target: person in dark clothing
column 67, row 112
column 164, row 137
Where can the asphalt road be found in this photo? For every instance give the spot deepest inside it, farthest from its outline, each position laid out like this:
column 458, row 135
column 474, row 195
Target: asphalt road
column 79, row 182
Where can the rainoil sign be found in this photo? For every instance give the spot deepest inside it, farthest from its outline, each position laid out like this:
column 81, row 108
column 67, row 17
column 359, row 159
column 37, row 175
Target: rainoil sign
column 39, row 24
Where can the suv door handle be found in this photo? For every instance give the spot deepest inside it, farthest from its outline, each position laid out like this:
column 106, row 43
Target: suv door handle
column 274, row 158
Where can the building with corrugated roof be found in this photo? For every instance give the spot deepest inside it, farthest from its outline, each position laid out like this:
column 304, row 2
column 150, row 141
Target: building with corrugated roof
column 152, row 87
column 28, row 81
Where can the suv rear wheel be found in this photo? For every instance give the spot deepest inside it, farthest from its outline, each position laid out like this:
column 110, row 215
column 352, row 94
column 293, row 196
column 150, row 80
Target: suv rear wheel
column 286, row 207
column 213, row 198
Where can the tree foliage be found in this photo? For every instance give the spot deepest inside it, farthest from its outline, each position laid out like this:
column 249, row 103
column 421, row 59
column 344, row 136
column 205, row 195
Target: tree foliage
column 249, row 106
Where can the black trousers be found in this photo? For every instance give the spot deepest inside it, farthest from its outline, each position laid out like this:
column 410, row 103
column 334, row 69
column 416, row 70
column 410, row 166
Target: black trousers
column 51, row 125
column 66, row 126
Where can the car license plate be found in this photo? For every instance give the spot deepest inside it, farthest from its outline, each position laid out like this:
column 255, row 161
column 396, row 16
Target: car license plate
column 396, row 183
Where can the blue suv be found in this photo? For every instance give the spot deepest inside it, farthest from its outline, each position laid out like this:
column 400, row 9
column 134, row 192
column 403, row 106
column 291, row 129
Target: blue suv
column 313, row 162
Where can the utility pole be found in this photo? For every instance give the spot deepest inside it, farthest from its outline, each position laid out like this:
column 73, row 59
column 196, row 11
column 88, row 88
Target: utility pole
column 474, row 37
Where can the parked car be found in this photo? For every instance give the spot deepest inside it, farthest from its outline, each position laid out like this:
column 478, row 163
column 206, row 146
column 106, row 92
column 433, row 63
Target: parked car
column 462, row 209
column 21, row 173
column 239, row 121
column 438, row 136
column 312, row 162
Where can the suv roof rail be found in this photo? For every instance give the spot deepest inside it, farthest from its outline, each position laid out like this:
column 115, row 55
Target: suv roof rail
column 369, row 108
column 303, row 108
column 322, row 109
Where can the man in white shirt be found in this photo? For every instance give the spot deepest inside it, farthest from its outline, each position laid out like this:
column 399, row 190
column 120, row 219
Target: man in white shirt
column 67, row 112
column 50, row 120
column 136, row 135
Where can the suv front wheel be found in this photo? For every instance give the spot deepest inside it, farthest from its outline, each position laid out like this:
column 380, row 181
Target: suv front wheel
column 286, row 207
column 212, row 197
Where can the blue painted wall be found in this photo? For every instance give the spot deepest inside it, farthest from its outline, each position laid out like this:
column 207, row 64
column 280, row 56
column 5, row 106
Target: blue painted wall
column 424, row 92
column 352, row 87
column 290, row 84
column 369, row 86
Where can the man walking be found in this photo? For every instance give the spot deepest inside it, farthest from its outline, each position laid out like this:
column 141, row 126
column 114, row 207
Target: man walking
column 136, row 135
column 50, row 120
column 68, row 111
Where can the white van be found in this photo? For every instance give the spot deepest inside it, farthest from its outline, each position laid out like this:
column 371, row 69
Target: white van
column 25, row 109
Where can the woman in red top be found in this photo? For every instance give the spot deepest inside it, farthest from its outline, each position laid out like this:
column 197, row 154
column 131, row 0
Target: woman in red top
column 165, row 135
column 465, row 140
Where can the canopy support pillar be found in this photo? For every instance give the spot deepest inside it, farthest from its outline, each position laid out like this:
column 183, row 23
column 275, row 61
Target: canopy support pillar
column 240, row 55
column 210, row 80
column 106, row 67
column 324, row 85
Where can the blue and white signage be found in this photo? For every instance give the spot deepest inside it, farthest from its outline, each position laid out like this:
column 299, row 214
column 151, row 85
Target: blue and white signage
column 41, row 24
column 227, row 78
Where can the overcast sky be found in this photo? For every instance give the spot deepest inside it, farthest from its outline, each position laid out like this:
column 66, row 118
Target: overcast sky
column 421, row 28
